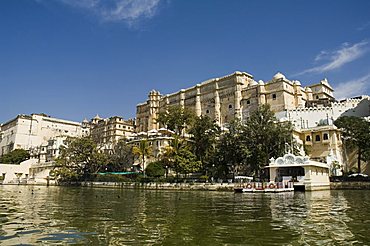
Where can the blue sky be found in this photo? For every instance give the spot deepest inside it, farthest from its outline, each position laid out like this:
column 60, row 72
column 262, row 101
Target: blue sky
column 73, row 59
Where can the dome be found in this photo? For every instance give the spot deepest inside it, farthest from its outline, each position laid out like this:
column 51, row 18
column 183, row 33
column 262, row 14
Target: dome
column 260, row 82
column 324, row 81
column 85, row 121
column 97, row 117
column 308, row 89
column 253, row 82
column 278, row 76
column 296, row 82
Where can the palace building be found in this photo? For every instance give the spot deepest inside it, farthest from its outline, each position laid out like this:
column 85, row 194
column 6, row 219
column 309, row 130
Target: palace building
column 312, row 109
column 234, row 96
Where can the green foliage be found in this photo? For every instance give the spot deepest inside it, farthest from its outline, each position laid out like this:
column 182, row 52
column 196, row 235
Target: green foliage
column 265, row 137
column 180, row 158
column 176, row 118
column 65, row 175
column 204, row 178
column 185, row 162
column 121, row 158
column 204, row 136
column 246, row 148
column 155, row 169
column 356, row 132
column 143, row 150
column 79, row 158
column 231, row 151
column 15, row 157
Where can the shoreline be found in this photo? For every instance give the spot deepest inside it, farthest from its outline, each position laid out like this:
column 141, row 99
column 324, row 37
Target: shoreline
column 354, row 185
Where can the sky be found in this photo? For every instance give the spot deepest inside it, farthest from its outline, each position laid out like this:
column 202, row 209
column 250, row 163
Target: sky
column 73, row 59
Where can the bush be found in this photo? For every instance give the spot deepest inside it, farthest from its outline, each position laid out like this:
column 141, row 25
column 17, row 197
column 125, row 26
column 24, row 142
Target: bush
column 15, row 157
column 203, row 178
column 155, row 169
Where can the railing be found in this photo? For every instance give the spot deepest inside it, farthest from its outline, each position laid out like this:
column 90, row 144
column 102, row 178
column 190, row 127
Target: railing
column 265, row 185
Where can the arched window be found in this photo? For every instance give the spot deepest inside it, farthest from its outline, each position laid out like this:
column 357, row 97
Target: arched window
column 230, row 106
column 325, row 136
column 317, row 138
column 308, row 138
column 273, row 96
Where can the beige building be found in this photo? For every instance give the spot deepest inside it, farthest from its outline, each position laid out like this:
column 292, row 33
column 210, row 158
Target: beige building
column 323, row 144
column 109, row 131
column 234, row 96
column 311, row 109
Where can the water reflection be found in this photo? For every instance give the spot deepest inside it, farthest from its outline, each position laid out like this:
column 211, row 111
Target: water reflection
column 320, row 220
column 59, row 215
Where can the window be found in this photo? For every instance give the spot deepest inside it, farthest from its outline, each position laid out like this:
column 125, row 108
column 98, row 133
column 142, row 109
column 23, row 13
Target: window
column 308, row 138
column 317, row 138
column 325, row 136
column 248, row 102
column 207, row 111
column 230, row 106
column 317, row 97
column 273, row 96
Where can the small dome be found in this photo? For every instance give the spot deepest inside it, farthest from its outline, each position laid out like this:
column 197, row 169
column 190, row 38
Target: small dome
column 260, row 82
column 308, row 89
column 253, row 82
column 324, row 81
column 85, row 121
column 296, row 82
column 97, row 117
column 278, row 76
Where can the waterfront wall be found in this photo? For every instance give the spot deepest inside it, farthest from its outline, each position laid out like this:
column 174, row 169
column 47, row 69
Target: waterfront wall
column 163, row 186
column 350, row 185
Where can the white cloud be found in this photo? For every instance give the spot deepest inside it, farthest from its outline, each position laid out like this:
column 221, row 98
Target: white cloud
column 353, row 87
column 338, row 58
column 127, row 11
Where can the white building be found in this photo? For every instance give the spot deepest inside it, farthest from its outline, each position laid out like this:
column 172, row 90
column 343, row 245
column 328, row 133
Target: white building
column 314, row 116
column 34, row 133
column 306, row 174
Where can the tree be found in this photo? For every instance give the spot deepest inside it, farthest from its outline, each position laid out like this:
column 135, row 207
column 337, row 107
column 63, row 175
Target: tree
column 247, row 147
column 204, row 133
column 179, row 157
column 155, row 169
column 176, row 118
column 185, row 162
column 122, row 156
column 143, row 150
column 266, row 137
column 79, row 158
column 356, row 133
column 231, row 151
column 15, row 157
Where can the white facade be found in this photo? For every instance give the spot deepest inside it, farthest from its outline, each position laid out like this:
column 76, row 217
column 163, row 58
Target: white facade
column 31, row 132
column 302, row 171
column 11, row 173
column 309, row 117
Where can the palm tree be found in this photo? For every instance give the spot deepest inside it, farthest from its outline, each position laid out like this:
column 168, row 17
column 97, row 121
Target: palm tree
column 171, row 151
column 143, row 150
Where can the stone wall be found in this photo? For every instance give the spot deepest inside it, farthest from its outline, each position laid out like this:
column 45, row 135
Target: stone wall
column 350, row 185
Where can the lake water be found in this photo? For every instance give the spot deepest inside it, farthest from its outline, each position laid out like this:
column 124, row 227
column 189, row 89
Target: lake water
column 91, row 216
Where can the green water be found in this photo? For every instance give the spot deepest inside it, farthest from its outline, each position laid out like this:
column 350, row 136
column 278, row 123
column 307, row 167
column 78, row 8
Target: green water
column 88, row 216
